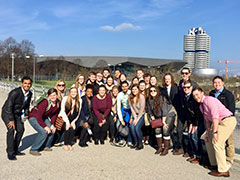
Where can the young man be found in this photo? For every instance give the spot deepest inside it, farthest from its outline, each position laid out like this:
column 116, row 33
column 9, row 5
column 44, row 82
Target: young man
column 14, row 112
column 106, row 73
column 195, row 123
column 99, row 78
column 185, row 74
column 140, row 74
column 227, row 99
column 92, row 79
column 123, row 110
column 220, row 124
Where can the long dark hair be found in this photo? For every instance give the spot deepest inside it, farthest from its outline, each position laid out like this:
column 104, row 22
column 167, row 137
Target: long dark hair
column 131, row 96
column 158, row 99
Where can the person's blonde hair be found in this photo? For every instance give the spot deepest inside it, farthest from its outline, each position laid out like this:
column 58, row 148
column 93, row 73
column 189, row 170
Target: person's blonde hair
column 69, row 100
column 59, row 92
column 76, row 81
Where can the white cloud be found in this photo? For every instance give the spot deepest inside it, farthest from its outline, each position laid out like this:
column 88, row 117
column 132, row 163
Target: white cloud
column 121, row 27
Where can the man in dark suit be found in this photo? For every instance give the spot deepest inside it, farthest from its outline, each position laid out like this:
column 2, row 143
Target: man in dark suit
column 185, row 74
column 14, row 111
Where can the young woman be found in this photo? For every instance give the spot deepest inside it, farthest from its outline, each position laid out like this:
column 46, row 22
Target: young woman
column 113, row 120
column 137, row 105
column 109, row 84
column 158, row 107
column 153, row 81
column 146, row 129
column 86, row 115
column 102, row 105
column 170, row 91
column 80, row 85
column 70, row 110
column 135, row 80
column 42, row 119
column 61, row 89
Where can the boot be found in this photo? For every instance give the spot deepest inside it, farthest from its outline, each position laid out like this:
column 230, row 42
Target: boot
column 159, row 143
column 166, row 145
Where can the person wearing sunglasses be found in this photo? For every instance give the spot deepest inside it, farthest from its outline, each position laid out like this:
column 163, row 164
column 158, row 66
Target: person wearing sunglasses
column 159, row 107
column 61, row 89
column 61, row 92
column 185, row 75
column 195, row 124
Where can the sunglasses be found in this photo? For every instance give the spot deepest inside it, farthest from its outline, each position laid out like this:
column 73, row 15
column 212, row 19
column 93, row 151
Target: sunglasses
column 153, row 90
column 186, row 73
column 187, row 87
column 61, row 85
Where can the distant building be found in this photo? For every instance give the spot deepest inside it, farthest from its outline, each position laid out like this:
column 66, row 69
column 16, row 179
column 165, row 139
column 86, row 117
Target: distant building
column 196, row 49
column 117, row 62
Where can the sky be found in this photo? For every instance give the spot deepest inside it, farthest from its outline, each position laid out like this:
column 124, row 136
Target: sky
column 137, row 28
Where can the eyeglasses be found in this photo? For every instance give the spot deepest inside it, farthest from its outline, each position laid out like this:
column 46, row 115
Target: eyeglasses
column 153, row 90
column 187, row 87
column 61, row 85
column 186, row 73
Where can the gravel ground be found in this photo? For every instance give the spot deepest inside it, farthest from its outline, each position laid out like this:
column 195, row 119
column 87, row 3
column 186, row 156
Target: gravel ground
column 96, row 162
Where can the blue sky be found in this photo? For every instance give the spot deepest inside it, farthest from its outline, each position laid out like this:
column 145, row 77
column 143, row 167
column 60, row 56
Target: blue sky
column 140, row 28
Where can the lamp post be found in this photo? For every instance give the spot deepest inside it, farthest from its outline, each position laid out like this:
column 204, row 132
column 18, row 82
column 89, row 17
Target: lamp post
column 34, row 72
column 12, row 56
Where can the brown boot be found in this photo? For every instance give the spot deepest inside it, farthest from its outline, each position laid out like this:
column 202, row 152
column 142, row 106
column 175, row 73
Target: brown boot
column 159, row 143
column 166, row 145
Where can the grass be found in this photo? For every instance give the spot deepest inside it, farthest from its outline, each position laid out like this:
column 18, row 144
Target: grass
column 53, row 83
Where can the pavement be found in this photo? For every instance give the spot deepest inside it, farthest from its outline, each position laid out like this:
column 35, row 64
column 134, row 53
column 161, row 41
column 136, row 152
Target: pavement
column 97, row 162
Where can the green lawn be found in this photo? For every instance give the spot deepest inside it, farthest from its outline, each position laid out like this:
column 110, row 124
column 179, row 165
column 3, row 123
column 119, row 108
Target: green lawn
column 53, row 83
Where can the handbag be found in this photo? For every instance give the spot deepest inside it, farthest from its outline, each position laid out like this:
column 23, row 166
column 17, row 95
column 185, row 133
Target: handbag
column 123, row 130
column 59, row 121
column 156, row 123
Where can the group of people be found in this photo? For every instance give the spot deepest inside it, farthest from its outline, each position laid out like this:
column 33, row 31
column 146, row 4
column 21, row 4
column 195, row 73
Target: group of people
column 132, row 113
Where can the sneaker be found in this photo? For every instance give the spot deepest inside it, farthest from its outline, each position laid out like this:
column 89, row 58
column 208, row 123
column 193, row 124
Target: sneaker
column 129, row 144
column 121, row 142
column 35, row 153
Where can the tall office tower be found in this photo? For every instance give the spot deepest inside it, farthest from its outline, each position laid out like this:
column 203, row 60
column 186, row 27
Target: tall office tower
column 196, row 48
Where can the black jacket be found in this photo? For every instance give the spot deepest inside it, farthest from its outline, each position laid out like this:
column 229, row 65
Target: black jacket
column 192, row 111
column 174, row 96
column 13, row 106
column 226, row 98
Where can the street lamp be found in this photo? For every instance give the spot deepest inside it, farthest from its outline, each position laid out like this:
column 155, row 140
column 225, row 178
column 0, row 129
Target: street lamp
column 13, row 56
column 34, row 71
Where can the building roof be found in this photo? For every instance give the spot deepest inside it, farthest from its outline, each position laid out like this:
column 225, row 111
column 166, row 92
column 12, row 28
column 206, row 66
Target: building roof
column 101, row 61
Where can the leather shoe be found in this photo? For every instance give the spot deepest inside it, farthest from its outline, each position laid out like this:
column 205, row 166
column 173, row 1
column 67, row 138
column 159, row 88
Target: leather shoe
column 179, row 152
column 219, row 174
column 191, row 158
column 194, row 161
column 186, row 155
column 210, row 167
column 12, row 157
column 18, row 153
column 139, row 147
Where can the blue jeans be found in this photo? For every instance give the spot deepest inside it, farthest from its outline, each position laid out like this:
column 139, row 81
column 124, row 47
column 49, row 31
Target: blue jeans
column 195, row 141
column 42, row 139
column 136, row 130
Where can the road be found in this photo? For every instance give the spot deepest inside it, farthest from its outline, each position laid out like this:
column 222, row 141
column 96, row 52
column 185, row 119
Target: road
column 96, row 162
